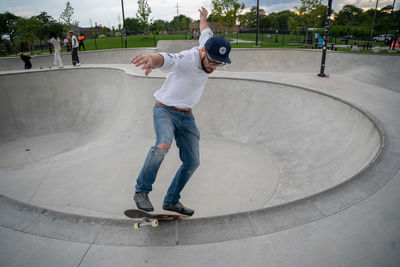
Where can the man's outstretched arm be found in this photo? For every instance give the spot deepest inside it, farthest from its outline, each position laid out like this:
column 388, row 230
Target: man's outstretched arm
column 203, row 19
column 148, row 62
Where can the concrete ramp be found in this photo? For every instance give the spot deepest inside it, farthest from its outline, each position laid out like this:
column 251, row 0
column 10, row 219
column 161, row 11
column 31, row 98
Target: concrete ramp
column 375, row 69
column 74, row 140
column 378, row 70
column 175, row 46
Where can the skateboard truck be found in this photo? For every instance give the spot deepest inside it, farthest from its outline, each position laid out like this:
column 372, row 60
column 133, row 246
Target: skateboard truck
column 147, row 221
column 143, row 218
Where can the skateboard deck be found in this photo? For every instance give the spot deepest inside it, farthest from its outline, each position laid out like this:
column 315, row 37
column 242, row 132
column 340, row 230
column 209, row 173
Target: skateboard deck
column 146, row 218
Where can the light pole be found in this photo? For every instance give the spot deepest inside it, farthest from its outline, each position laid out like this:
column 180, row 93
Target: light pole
column 373, row 20
column 123, row 23
column 328, row 17
column 394, row 2
column 258, row 21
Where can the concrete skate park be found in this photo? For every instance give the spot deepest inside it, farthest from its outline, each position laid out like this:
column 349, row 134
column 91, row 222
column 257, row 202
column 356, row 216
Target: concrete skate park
column 296, row 170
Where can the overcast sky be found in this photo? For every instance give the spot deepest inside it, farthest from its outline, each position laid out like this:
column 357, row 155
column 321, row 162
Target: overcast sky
column 109, row 12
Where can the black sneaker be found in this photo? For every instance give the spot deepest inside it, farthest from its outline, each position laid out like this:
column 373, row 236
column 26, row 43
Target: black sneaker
column 142, row 201
column 179, row 208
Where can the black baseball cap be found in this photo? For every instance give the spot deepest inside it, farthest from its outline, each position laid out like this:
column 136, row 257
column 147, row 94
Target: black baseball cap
column 218, row 48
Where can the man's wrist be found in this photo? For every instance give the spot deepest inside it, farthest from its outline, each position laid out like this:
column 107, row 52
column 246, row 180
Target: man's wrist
column 152, row 61
column 157, row 60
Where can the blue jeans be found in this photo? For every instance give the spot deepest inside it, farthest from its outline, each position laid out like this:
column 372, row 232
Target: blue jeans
column 170, row 123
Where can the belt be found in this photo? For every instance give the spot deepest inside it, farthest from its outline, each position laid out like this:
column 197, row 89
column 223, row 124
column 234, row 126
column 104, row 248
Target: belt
column 186, row 111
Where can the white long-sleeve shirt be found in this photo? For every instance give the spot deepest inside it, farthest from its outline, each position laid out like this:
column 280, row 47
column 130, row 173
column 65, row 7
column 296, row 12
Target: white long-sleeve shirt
column 186, row 78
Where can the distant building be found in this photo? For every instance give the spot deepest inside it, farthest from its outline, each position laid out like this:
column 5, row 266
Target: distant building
column 88, row 32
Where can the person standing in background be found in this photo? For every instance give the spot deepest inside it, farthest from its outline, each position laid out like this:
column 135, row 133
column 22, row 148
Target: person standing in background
column 48, row 44
column 81, row 44
column 66, row 43
column 75, row 46
column 55, row 41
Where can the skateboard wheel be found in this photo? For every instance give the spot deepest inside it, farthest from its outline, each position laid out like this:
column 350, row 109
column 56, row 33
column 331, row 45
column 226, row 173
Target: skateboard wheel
column 136, row 226
column 154, row 223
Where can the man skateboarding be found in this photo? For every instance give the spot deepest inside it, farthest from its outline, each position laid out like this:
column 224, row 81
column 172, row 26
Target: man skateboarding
column 188, row 72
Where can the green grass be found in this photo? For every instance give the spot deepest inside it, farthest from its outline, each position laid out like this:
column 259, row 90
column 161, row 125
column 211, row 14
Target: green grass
column 269, row 38
column 265, row 45
column 132, row 41
column 283, row 41
column 365, row 51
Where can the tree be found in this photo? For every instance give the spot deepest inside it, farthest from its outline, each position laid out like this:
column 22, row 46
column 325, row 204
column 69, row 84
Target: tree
column 318, row 15
column 227, row 12
column 249, row 19
column 44, row 18
column 385, row 22
column 27, row 30
column 353, row 20
column 45, row 21
column 57, row 28
column 265, row 22
column 143, row 14
column 181, row 22
column 8, row 23
column 311, row 14
column 158, row 26
column 348, row 15
column 133, row 25
column 212, row 18
column 67, row 15
column 306, row 15
column 48, row 26
column 309, row 5
column 104, row 31
column 282, row 18
column 337, row 31
column 95, row 31
column 293, row 23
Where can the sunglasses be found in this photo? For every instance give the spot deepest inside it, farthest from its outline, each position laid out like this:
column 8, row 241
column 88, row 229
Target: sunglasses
column 213, row 63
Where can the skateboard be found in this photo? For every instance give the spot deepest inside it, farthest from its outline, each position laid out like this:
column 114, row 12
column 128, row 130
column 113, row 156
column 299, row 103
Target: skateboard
column 146, row 218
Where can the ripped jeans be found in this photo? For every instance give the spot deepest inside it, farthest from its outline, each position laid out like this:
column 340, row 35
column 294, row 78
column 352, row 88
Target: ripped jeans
column 170, row 123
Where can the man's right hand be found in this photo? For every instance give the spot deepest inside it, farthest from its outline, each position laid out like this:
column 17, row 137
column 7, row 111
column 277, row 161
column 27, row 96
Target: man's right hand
column 146, row 61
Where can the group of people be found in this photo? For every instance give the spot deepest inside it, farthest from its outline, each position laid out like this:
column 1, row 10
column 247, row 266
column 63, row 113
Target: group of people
column 68, row 42
column 195, row 35
column 55, row 41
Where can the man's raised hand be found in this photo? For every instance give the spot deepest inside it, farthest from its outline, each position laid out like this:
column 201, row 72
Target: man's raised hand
column 203, row 14
column 203, row 19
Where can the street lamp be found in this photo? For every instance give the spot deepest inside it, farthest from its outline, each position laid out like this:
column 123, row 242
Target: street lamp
column 328, row 16
column 373, row 20
column 123, row 23
column 258, row 21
